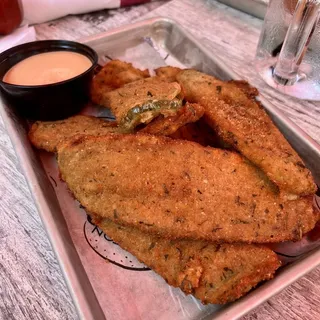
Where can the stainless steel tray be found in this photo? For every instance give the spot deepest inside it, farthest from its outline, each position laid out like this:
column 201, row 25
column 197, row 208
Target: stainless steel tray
column 152, row 43
column 256, row 8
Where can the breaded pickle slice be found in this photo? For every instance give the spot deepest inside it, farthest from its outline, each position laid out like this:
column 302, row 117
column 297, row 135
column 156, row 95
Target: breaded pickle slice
column 48, row 134
column 180, row 189
column 233, row 112
column 141, row 101
column 211, row 272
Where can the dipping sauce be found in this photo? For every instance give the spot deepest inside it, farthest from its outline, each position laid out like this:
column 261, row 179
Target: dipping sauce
column 47, row 68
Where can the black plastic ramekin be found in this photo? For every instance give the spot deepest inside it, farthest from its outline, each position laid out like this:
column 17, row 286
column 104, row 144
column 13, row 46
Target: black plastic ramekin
column 51, row 101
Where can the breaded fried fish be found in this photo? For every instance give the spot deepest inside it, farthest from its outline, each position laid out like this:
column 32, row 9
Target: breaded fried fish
column 48, row 134
column 141, row 101
column 179, row 189
column 211, row 272
column 114, row 75
column 241, row 122
column 189, row 113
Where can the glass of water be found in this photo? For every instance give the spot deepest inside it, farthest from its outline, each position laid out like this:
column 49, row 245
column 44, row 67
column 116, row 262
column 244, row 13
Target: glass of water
column 288, row 53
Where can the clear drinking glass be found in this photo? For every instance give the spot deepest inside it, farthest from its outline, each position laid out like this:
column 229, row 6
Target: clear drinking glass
column 288, row 53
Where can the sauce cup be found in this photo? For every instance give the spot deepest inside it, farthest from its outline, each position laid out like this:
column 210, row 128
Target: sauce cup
column 53, row 101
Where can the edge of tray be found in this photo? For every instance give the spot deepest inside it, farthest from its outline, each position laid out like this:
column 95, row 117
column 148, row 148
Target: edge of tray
column 43, row 194
column 41, row 190
column 285, row 277
column 255, row 8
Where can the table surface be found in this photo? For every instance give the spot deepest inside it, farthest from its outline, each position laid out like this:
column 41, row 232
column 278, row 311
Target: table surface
column 31, row 283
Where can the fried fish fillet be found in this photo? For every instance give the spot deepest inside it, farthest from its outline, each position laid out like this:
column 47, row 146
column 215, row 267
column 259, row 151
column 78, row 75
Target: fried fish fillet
column 179, row 189
column 143, row 100
column 114, row 75
column 48, row 134
column 189, row 113
column 213, row 273
column 242, row 123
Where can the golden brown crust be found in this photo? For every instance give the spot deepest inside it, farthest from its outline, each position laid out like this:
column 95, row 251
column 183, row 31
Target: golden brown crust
column 189, row 113
column 141, row 101
column 211, row 272
column 179, row 189
column 168, row 73
column 48, row 134
column 245, row 87
column 114, row 75
column 242, row 122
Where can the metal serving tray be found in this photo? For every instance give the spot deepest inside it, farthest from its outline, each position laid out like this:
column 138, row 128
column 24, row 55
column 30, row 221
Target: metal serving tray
column 256, row 8
column 149, row 44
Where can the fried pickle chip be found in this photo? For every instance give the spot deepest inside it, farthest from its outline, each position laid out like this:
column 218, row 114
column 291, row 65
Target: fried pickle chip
column 143, row 100
column 179, row 189
column 213, row 273
column 189, row 113
column 48, row 134
column 241, row 122
column 167, row 73
column 114, row 75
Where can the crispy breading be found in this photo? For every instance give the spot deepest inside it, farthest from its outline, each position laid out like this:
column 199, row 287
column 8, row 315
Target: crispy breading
column 245, row 87
column 143, row 100
column 168, row 73
column 179, row 189
column 114, row 75
column 189, row 113
column 199, row 132
column 243, row 123
column 211, row 272
column 48, row 134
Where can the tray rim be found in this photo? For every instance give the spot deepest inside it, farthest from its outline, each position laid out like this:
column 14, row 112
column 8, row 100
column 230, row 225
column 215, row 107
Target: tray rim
column 82, row 302
column 73, row 272
column 256, row 8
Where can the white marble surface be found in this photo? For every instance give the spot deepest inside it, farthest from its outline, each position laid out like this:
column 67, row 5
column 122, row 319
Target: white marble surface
column 31, row 284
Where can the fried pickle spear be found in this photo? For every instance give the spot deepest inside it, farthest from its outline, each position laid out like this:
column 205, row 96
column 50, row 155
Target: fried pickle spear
column 189, row 113
column 179, row 189
column 211, row 272
column 141, row 101
column 48, row 134
column 114, row 75
column 242, row 123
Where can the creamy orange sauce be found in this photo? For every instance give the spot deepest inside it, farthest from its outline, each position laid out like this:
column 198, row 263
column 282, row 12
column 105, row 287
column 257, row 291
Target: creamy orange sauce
column 48, row 67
